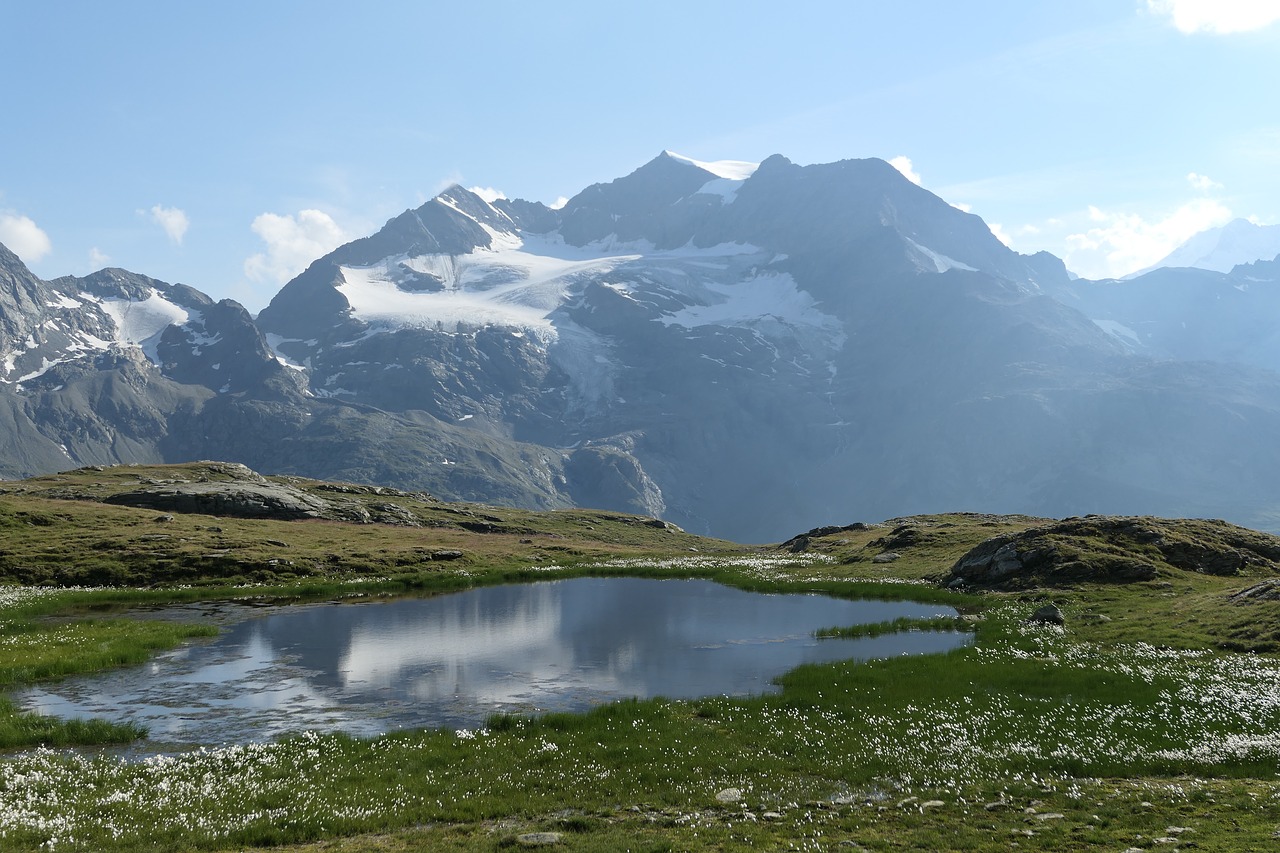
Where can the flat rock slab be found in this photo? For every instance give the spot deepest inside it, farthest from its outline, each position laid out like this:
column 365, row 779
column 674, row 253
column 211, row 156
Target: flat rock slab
column 239, row 500
column 269, row 500
column 539, row 839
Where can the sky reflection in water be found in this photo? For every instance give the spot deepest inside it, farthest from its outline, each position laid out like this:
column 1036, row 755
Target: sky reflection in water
column 452, row 660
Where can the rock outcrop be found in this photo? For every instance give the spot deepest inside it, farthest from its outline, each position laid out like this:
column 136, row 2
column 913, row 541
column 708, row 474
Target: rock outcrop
column 236, row 491
column 1113, row 550
column 240, row 500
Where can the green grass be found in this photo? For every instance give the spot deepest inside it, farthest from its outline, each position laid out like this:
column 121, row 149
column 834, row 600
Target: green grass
column 34, row 648
column 1139, row 718
column 896, row 626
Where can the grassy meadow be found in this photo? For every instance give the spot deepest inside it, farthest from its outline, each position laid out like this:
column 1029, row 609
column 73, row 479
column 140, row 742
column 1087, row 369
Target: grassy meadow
column 1149, row 721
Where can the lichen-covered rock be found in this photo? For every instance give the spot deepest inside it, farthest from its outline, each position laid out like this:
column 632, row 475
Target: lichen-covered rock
column 1113, row 550
column 238, row 500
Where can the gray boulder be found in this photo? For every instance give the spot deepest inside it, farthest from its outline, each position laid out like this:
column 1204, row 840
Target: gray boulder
column 237, row 500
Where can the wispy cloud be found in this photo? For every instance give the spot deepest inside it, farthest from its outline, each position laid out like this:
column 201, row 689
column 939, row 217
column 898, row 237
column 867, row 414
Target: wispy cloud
column 489, row 194
column 292, row 244
column 1120, row 243
column 98, row 258
column 23, row 237
column 1204, row 183
column 1217, row 16
column 173, row 220
column 903, row 165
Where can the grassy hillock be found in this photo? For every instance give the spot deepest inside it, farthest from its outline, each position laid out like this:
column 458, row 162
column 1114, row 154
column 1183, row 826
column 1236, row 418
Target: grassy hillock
column 1146, row 720
column 45, row 519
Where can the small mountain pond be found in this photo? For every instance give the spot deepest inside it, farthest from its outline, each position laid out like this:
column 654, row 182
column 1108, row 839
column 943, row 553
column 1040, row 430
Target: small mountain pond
column 370, row 666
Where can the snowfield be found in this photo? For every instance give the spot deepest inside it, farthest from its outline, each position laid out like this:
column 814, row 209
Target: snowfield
column 523, row 286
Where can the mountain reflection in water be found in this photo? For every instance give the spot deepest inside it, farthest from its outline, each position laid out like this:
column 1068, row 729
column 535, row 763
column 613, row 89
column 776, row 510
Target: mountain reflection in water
column 453, row 660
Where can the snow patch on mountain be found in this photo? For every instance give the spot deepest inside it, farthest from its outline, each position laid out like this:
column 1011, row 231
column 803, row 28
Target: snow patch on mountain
column 763, row 298
column 1121, row 332
column 502, row 239
column 64, row 301
column 521, row 286
column 274, row 342
column 725, row 188
column 516, row 285
column 141, row 323
column 733, row 170
column 941, row 262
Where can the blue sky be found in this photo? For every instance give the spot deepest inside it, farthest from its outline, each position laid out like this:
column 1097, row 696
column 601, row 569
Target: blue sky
column 226, row 145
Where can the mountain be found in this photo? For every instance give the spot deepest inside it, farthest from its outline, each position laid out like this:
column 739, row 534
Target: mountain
column 117, row 367
column 1187, row 314
column 756, row 348
column 1221, row 249
column 742, row 349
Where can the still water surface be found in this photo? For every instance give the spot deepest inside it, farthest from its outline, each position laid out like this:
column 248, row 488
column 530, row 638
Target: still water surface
column 452, row 660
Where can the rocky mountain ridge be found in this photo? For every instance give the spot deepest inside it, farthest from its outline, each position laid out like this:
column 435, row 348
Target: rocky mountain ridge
column 741, row 351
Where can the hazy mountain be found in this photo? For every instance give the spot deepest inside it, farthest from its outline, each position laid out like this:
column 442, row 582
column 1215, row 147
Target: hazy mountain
column 753, row 350
column 1220, row 249
column 744, row 349
column 1190, row 314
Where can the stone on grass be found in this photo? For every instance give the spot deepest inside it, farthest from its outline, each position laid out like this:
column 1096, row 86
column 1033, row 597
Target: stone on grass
column 729, row 795
column 1047, row 615
column 539, row 839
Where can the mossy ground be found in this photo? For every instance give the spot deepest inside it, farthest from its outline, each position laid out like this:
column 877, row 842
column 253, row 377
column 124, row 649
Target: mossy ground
column 1139, row 725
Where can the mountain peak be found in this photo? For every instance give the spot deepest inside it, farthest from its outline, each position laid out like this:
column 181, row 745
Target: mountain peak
column 1221, row 249
column 10, row 260
column 733, row 170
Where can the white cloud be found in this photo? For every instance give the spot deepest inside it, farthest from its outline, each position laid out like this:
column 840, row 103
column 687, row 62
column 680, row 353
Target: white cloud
column 1217, row 16
column 903, row 165
column 559, row 202
column 1121, row 243
column 1204, row 183
column 960, row 205
column 1003, row 236
column 489, row 194
column 98, row 258
column 454, row 177
column 292, row 244
column 173, row 220
column 23, row 237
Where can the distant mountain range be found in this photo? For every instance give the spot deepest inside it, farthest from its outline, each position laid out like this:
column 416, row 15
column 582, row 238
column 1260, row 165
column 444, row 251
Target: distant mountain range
column 1222, row 249
column 744, row 350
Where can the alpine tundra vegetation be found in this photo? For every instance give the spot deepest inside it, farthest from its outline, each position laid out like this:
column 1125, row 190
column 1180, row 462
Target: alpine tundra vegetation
column 1120, row 691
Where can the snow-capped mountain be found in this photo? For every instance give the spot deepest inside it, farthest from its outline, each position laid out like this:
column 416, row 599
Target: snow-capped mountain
column 1221, row 249
column 118, row 367
column 744, row 349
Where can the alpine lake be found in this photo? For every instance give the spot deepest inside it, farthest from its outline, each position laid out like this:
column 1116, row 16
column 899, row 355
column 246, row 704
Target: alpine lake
column 365, row 667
